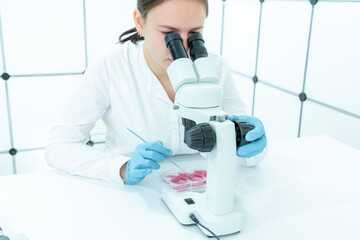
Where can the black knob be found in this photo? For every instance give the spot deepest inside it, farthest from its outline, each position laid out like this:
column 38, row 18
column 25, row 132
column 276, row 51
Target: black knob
column 187, row 123
column 241, row 128
column 201, row 137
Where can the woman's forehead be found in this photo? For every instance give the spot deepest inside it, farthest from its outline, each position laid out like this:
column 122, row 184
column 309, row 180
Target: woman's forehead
column 178, row 13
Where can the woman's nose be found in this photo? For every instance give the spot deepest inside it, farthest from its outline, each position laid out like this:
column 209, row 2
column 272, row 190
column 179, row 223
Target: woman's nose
column 184, row 38
column 185, row 44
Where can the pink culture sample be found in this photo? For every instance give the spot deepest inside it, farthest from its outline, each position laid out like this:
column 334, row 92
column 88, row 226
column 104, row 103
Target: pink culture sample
column 194, row 181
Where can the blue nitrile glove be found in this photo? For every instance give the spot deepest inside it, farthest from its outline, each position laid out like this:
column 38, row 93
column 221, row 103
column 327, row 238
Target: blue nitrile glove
column 145, row 159
column 257, row 136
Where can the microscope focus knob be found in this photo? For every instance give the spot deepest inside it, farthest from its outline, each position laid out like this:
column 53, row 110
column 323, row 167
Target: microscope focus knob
column 241, row 129
column 201, row 137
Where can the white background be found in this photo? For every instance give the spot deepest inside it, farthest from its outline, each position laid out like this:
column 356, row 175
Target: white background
column 51, row 37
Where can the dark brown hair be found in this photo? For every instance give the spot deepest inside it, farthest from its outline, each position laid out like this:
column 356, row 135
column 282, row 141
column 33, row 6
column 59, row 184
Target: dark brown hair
column 144, row 7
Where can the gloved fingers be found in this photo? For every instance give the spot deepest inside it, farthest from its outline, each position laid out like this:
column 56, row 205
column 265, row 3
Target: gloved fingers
column 159, row 147
column 136, row 175
column 233, row 117
column 140, row 173
column 134, row 180
column 153, row 155
column 254, row 134
column 241, row 117
column 252, row 148
column 147, row 164
column 257, row 132
column 249, row 155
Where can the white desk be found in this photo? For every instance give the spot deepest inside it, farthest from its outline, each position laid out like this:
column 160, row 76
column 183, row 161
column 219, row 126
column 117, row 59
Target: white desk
column 306, row 188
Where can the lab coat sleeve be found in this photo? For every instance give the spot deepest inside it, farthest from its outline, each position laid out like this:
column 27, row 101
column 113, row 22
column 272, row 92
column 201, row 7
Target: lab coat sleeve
column 66, row 149
column 233, row 105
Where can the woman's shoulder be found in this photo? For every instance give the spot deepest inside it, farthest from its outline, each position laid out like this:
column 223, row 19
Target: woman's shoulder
column 120, row 51
column 218, row 60
column 117, row 60
column 221, row 64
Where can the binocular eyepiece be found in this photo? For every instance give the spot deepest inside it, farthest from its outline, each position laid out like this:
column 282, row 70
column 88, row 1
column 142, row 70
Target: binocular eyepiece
column 177, row 50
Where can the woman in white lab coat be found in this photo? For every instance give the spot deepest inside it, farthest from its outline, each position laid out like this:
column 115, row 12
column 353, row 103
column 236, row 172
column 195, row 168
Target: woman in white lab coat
column 129, row 87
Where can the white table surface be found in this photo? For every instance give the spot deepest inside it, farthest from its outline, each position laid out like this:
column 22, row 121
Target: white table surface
column 307, row 188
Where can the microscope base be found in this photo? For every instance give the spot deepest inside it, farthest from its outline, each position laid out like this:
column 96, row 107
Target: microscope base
column 182, row 204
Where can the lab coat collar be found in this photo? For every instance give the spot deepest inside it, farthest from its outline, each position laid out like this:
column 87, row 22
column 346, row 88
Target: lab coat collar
column 153, row 85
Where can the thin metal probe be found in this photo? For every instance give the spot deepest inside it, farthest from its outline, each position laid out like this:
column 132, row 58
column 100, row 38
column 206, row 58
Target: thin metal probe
column 165, row 157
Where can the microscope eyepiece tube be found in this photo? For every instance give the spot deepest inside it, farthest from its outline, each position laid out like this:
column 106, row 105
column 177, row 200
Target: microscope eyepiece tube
column 197, row 48
column 174, row 43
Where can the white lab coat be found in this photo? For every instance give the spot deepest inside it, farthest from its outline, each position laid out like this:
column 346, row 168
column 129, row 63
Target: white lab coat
column 121, row 89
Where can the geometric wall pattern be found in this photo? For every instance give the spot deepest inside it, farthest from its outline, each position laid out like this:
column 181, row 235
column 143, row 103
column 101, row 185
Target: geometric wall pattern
column 296, row 64
column 303, row 58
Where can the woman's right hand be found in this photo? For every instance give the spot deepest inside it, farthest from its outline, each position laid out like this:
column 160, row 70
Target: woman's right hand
column 145, row 159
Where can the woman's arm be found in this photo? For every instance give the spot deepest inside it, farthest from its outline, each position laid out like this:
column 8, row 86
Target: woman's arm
column 67, row 149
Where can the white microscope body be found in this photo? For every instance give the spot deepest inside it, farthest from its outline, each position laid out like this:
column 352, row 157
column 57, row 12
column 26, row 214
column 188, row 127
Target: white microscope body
column 199, row 98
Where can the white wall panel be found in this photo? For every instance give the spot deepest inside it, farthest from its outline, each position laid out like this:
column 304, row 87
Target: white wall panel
column 4, row 126
column 35, row 104
column 106, row 21
column 31, row 161
column 212, row 29
column 334, row 61
column 283, row 43
column 246, row 88
column 5, row 164
column 241, row 35
column 321, row 120
column 278, row 111
column 1, row 59
column 43, row 36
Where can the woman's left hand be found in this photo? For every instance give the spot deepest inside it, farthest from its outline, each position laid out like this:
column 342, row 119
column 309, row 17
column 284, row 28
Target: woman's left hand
column 256, row 136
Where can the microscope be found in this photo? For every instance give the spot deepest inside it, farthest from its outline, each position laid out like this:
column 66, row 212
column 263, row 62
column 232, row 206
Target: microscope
column 207, row 129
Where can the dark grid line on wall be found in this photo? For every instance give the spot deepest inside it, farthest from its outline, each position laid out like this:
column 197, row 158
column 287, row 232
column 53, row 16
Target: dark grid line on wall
column 241, row 74
column 13, row 151
column 302, row 96
column 255, row 78
column 5, row 76
column 334, row 108
column 278, row 88
column 303, row 99
column 222, row 27
column 65, row 73
column 47, row 74
column 85, row 36
column 296, row 94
